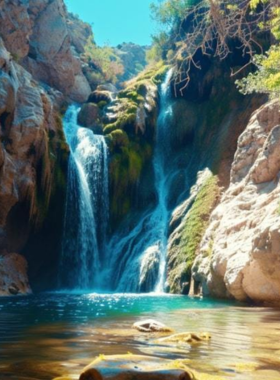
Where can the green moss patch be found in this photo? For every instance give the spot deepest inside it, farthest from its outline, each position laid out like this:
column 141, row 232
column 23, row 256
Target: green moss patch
column 195, row 224
column 130, row 139
column 51, row 172
column 125, row 170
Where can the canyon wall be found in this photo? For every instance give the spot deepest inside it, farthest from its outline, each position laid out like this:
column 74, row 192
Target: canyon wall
column 39, row 36
column 40, row 71
column 239, row 255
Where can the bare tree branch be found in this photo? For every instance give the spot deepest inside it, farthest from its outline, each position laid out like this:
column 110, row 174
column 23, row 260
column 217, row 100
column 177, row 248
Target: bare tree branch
column 212, row 25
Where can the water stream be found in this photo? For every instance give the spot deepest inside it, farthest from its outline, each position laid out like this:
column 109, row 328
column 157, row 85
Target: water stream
column 137, row 260
column 87, row 207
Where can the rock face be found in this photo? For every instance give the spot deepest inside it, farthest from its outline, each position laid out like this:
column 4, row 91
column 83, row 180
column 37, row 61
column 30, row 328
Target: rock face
column 203, row 138
column 31, row 150
column 133, row 58
column 240, row 253
column 40, row 70
column 89, row 117
column 13, row 275
column 39, row 36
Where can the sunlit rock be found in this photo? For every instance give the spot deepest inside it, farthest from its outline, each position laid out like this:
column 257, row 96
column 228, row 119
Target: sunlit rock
column 149, row 269
column 129, row 367
column 37, row 35
column 186, row 337
column 151, row 325
column 240, row 252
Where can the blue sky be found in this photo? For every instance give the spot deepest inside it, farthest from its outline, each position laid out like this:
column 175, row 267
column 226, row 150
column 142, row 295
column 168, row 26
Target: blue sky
column 116, row 21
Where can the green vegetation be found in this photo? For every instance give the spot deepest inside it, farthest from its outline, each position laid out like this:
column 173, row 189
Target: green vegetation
column 104, row 58
column 171, row 12
column 197, row 218
column 126, row 115
column 195, row 225
column 211, row 29
column 125, row 170
column 51, row 173
column 267, row 77
column 133, row 97
column 130, row 138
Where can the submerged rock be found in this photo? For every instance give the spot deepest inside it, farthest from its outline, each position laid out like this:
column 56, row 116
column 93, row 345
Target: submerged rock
column 150, row 325
column 186, row 337
column 131, row 367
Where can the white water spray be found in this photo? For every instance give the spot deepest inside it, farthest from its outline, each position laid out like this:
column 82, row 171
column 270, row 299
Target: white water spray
column 86, row 213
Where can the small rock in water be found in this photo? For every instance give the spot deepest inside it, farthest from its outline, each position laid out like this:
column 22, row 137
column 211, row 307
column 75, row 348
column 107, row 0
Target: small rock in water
column 186, row 337
column 150, row 325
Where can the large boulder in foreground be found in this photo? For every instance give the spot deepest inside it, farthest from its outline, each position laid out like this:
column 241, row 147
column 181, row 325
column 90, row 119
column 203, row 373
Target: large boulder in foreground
column 131, row 367
column 240, row 252
column 13, row 275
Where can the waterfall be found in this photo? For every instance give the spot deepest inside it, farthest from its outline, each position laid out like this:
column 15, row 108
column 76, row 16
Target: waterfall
column 138, row 259
column 87, row 206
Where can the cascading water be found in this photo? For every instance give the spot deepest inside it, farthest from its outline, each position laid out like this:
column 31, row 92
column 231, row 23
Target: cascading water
column 87, row 206
column 138, row 260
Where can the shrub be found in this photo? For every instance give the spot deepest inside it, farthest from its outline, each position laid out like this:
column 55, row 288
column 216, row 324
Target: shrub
column 105, row 59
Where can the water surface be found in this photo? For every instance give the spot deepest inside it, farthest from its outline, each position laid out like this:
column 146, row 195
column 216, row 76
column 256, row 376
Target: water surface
column 44, row 336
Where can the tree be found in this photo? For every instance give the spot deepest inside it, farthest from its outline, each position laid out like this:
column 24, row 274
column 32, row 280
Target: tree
column 267, row 77
column 171, row 11
column 210, row 26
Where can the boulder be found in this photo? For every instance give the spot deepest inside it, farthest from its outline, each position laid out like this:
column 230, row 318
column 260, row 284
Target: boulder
column 131, row 367
column 89, row 117
column 149, row 269
column 100, row 96
column 13, row 275
column 109, row 87
column 15, row 27
column 150, row 325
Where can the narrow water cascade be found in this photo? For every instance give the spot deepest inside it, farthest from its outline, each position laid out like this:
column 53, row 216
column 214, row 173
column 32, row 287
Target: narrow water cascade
column 87, row 206
column 138, row 259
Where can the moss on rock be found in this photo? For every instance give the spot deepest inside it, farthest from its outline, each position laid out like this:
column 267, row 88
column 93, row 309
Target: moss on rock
column 130, row 133
column 193, row 228
column 125, row 169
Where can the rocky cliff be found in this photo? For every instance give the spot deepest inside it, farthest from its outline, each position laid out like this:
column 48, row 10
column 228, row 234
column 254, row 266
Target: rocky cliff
column 208, row 131
column 239, row 253
column 32, row 150
column 39, row 36
column 133, row 58
column 40, row 70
